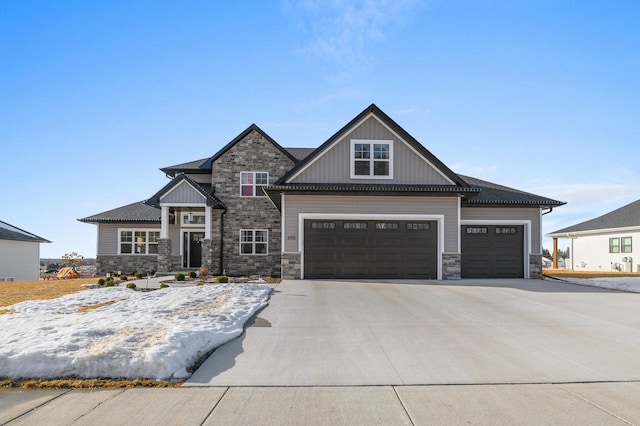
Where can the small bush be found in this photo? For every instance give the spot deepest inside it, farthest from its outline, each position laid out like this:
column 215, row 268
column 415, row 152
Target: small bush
column 139, row 274
column 131, row 285
column 200, row 283
column 223, row 279
column 179, row 276
column 109, row 283
column 191, row 274
column 101, row 281
column 124, row 277
column 163, row 285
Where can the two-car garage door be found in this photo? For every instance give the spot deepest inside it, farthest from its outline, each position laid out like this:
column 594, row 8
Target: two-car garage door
column 370, row 249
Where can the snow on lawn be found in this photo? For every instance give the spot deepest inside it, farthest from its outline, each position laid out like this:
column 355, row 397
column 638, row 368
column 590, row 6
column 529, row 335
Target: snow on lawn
column 135, row 334
column 631, row 284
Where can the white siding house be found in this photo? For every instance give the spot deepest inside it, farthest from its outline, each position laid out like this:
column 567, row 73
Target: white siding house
column 19, row 254
column 607, row 243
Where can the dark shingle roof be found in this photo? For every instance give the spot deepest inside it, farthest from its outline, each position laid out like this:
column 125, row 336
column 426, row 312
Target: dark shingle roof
column 300, row 153
column 135, row 212
column 10, row 232
column 625, row 217
column 190, row 167
column 494, row 194
column 205, row 189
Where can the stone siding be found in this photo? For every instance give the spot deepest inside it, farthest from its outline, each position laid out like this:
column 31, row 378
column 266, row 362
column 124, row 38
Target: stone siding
column 535, row 266
column 253, row 153
column 126, row 264
column 451, row 266
column 164, row 259
column 291, row 266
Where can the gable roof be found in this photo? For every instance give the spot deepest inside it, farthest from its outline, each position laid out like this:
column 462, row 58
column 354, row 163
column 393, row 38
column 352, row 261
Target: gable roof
column 10, row 232
column 300, row 153
column 395, row 127
column 625, row 217
column 135, row 212
column 494, row 194
column 204, row 165
column 206, row 190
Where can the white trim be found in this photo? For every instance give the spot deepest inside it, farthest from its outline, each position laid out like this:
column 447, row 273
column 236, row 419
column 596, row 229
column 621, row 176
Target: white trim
column 252, row 242
column 459, row 221
column 283, row 215
column 254, row 185
column 133, row 243
column 183, row 204
column 593, row 232
column 372, row 160
column 527, row 235
column 349, row 216
column 348, row 131
column 207, row 222
column 177, row 186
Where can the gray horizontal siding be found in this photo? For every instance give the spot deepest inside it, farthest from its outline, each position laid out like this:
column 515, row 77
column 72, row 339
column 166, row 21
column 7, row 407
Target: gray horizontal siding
column 296, row 204
column 108, row 235
column 334, row 165
column 508, row 213
column 183, row 193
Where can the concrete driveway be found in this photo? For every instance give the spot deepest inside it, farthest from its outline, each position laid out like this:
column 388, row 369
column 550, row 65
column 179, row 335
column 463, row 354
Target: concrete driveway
column 316, row 333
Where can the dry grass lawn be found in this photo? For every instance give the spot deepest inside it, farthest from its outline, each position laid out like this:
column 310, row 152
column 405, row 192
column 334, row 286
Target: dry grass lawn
column 19, row 291
column 587, row 274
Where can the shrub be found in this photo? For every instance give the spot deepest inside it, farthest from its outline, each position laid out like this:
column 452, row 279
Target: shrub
column 109, row 283
column 101, row 281
column 179, row 276
column 131, row 285
column 200, row 283
column 191, row 274
column 123, row 277
column 139, row 274
column 223, row 279
column 163, row 285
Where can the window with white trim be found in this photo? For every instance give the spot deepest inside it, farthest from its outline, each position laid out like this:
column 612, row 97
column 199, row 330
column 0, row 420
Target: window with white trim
column 254, row 242
column 625, row 245
column 371, row 159
column 251, row 183
column 138, row 241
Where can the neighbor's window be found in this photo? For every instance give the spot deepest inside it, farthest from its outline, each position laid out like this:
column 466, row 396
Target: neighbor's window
column 371, row 159
column 614, row 245
column 626, row 244
column 254, row 241
column 251, row 183
column 139, row 241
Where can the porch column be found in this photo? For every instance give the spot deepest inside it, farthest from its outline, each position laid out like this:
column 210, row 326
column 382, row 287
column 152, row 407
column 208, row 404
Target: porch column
column 207, row 222
column 555, row 253
column 164, row 222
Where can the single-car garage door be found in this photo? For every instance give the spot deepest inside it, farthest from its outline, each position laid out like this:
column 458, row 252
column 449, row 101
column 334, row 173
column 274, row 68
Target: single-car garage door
column 370, row 249
column 492, row 251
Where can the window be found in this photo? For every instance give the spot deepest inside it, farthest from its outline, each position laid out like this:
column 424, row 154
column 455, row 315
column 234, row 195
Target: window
column 355, row 225
column 417, row 226
column 476, row 230
column 138, row 241
column 386, row 225
column 254, row 241
column 196, row 219
column 626, row 245
column 251, row 183
column 614, row 245
column 500, row 230
column 371, row 159
column 323, row 225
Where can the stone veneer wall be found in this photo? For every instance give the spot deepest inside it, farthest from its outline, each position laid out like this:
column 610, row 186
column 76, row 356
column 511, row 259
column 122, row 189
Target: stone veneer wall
column 164, row 259
column 535, row 266
column 126, row 264
column 253, row 153
column 451, row 266
column 291, row 265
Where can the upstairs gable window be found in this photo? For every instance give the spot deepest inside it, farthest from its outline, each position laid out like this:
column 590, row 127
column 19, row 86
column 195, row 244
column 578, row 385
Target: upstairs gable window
column 251, row 183
column 371, row 159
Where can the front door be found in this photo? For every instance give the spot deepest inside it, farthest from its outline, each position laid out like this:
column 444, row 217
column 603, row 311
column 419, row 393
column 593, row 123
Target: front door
column 192, row 254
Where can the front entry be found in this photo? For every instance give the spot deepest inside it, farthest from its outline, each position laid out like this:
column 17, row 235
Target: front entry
column 192, row 249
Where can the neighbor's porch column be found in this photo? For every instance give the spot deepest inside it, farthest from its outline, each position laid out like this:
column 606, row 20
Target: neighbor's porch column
column 207, row 222
column 164, row 222
column 555, row 253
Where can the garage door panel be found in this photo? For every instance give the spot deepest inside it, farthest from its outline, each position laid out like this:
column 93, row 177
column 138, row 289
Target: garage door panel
column 490, row 251
column 370, row 249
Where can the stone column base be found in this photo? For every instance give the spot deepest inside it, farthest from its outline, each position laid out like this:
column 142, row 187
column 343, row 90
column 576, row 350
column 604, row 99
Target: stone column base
column 165, row 260
column 535, row 266
column 291, row 264
column 451, row 266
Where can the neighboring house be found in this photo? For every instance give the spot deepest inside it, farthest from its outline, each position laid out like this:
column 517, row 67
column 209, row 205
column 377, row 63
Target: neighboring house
column 605, row 243
column 547, row 262
column 19, row 254
column 370, row 202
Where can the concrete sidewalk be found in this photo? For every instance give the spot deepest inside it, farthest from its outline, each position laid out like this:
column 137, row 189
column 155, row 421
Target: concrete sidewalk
column 538, row 404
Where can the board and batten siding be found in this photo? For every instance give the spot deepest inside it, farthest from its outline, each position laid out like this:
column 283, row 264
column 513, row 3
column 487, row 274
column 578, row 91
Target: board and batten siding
column 183, row 193
column 508, row 213
column 353, row 204
column 108, row 236
column 334, row 165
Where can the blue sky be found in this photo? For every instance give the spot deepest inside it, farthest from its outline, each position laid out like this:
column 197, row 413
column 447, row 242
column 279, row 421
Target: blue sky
column 543, row 96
